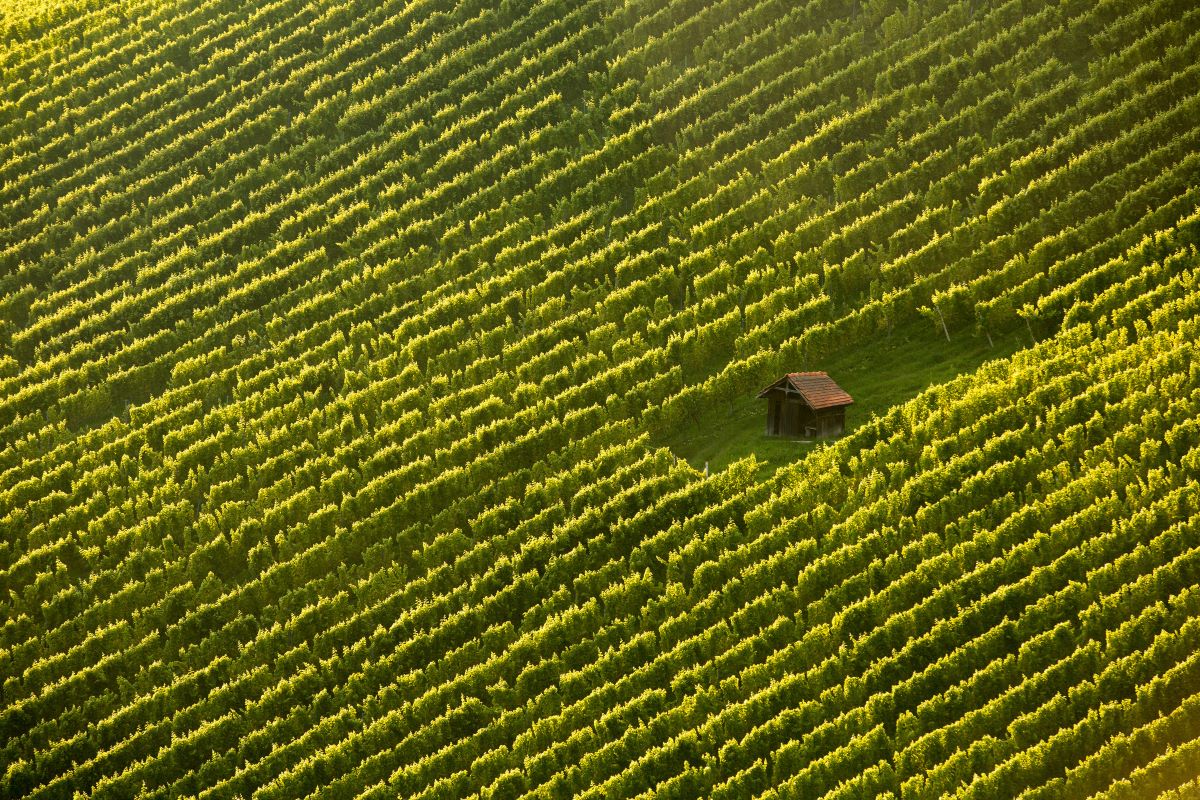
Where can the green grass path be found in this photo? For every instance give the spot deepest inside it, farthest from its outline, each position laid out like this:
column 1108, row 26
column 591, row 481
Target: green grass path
column 878, row 375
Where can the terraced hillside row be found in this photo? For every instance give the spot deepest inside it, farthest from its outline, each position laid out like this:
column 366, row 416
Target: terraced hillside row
column 333, row 336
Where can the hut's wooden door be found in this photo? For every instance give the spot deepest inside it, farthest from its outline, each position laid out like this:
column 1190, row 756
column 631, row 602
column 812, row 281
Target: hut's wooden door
column 791, row 418
column 778, row 408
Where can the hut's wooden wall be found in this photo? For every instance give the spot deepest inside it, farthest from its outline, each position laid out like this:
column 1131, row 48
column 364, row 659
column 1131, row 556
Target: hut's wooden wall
column 789, row 415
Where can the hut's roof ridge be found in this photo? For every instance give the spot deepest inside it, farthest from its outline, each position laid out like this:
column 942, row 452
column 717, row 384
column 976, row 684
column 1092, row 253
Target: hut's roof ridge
column 817, row 388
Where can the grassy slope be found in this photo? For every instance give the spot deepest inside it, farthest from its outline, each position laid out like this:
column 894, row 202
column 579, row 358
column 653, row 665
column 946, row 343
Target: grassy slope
column 881, row 374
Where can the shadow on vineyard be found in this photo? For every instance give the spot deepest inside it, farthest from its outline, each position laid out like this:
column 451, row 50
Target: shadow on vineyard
column 881, row 373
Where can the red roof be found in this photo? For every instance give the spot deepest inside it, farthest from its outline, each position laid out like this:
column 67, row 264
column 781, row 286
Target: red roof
column 816, row 388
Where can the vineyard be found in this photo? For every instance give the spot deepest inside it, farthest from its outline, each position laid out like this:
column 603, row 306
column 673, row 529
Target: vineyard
column 339, row 343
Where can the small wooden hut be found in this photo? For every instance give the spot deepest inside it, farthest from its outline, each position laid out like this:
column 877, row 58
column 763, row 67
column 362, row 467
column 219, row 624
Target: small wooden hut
column 806, row 404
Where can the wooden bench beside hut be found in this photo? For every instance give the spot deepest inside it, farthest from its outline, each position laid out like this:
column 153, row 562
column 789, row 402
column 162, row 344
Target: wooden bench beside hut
column 807, row 404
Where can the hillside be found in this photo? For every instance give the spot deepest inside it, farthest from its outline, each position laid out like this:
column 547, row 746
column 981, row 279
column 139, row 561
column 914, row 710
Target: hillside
column 357, row 362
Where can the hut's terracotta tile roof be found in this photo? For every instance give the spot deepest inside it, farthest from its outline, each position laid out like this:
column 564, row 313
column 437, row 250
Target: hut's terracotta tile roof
column 817, row 389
